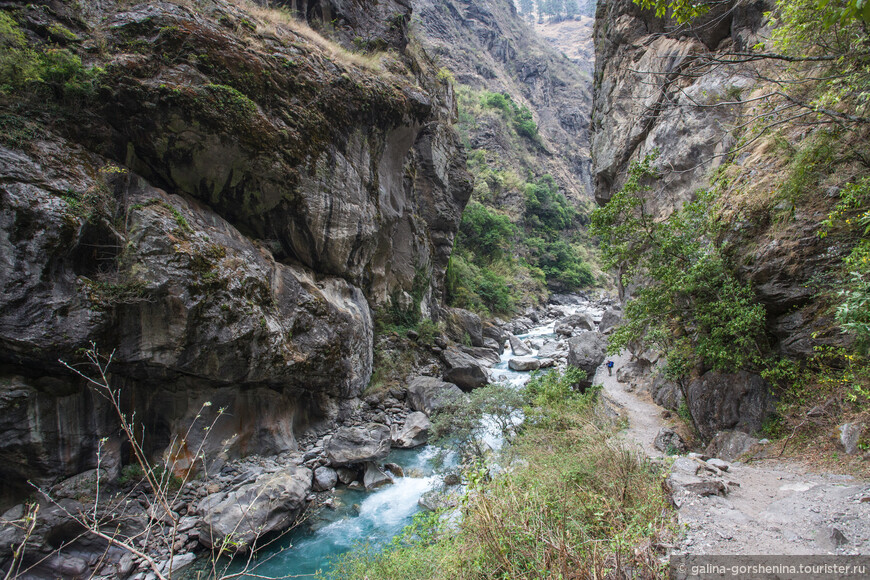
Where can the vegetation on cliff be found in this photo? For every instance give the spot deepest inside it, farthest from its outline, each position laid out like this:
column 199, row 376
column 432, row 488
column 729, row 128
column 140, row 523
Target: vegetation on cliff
column 767, row 269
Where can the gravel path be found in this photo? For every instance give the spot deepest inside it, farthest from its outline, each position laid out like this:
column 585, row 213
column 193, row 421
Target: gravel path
column 773, row 507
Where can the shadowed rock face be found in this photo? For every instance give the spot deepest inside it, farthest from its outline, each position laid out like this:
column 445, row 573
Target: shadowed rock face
column 223, row 223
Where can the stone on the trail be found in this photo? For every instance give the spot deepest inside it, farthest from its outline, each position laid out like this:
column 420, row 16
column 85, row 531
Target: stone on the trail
column 685, row 465
column 271, row 503
column 428, row 394
column 666, row 393
column 463, row 370
column 524, row 363
column 847, row 436
column 569, row 325
column 831, row 538
column 669, row 441
column 518, row 347
column 719, row 464
column 395, row 469
column 434, row 500
column 610, row 319
column 678, row 481
column 722, row 401
column 461, row 323
column 730, row 445
column 586, row 350
column 324, row 478
column 346, row 475
column 414, row 433
column 350, row 445
column 374, row 477
column 631, row 372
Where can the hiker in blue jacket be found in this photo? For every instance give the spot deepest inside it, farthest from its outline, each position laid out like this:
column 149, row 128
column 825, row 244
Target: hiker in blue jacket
column 609, row 367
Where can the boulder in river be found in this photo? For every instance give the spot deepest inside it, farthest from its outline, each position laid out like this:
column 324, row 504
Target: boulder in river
column 569, row 325
column 414, row 433
column 524, row 363
column 324, row 478
column 350, row 445
column 586, row 350
column 463, row 370
column 375, row 477
column 429, row 395
column 271, row 503
column 518, row 347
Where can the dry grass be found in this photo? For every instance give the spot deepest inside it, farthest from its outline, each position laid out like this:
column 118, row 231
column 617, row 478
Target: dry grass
column 281, row 22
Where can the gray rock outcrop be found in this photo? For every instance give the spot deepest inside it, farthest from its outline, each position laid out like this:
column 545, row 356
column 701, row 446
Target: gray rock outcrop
column 430, row 395
column 526, row 363
column 719, row 402
column 352, row 445
column 286, row 205
column 414, row 432
column 518, row 347
column 586, row 350
column 568, row 325
column 236, row 519
column 461, row 323
column 463, row 370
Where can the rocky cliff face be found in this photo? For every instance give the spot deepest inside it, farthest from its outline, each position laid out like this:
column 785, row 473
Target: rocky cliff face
column 652, row 92
column 221, row 196
column 488, row 46
column 645, row 100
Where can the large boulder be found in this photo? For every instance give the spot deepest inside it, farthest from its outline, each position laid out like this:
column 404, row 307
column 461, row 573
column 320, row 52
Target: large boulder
column 666, row 393
column 324, row 478
column 586, row 350
column 524, row 363
column 610, row 319
column 730, row 445
column 485, row 355
column 374, row 477
column 669, row 441
column 236, row 519
column 631, row 372
column 463, row 370
column 461, row 323
column 719, row 401
column 430, row 395
column 414, row 432
column 350, row 445
column 497, row 334
column 568, row 325
column 518, row 347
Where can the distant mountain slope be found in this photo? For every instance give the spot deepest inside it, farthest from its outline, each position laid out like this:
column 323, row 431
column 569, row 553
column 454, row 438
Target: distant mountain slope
column 487, row 45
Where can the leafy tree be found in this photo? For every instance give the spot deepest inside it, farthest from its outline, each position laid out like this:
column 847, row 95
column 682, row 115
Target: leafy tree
column 486, row 231
column 546, row 206
column 690, row 304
